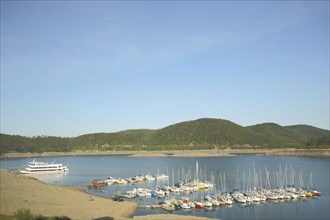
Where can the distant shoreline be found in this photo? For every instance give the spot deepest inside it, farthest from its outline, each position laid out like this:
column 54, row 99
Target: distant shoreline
column 183, row 153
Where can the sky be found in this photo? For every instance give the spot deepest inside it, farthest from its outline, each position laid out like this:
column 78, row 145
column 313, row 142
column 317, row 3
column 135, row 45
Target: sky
column 75, row 67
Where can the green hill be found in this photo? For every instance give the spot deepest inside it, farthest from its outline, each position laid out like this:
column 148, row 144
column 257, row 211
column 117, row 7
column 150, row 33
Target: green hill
column 308, row 131
column 206, row 132
column 109, row 141
column 197, row 134
column 295, row 135
column 16, row 143
column 278, row 135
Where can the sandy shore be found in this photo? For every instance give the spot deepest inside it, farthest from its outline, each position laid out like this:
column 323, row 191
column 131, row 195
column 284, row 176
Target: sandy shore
column 19, row 191
column 186, row 153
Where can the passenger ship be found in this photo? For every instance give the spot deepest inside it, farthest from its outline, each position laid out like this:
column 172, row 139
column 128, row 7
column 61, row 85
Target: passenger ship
column 36, row 167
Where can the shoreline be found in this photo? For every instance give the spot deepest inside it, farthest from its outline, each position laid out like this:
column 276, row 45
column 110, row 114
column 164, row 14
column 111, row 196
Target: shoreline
column 20, row 191
column 26, row 192
column 183, row 153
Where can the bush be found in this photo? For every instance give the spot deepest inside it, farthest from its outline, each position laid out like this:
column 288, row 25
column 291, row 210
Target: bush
column 24, row 214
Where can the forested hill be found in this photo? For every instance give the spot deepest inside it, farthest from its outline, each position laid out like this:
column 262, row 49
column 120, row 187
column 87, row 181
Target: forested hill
column 197, row 134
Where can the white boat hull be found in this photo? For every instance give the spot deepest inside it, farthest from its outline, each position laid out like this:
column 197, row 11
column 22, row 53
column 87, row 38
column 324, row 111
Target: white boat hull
column 43, row 172
column 36, row 168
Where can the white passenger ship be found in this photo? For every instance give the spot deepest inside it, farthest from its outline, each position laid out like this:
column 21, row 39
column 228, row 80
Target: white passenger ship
column 36, row 167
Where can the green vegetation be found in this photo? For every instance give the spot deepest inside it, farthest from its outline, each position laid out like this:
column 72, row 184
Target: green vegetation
column 25, row 214
column 277, row 135
column 15, row 143
column 322, row 142
column 190, row 135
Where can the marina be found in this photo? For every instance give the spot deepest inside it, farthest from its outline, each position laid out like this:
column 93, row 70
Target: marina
column 182, row 195
column 226, row 188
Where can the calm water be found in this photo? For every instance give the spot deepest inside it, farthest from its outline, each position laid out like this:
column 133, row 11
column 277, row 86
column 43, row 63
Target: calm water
column 236, row 169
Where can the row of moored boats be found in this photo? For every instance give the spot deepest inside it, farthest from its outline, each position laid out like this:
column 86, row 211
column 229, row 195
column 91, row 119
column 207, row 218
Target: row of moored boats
column 136, row 179
column 227, row 199
column 254, row 191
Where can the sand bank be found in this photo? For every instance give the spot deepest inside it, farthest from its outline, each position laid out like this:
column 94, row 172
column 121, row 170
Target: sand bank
column 19, row 191
column 185, row 153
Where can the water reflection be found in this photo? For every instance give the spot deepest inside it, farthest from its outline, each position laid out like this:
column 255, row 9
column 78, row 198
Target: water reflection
column 58, row 178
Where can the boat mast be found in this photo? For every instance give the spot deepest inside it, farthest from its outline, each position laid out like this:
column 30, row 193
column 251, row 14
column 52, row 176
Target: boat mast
column 196, row 172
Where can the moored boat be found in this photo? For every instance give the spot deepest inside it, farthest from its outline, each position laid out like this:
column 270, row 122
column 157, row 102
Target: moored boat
column 168, row 207
column 161, row 177
column 199, row 205
column 316, row 193
column 96, row 183
column 184, row 205
column 36, row 167
column 309, row 195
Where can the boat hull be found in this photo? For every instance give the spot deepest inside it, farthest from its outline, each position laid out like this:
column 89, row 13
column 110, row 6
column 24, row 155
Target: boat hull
column 36, row 168
column 42, row 172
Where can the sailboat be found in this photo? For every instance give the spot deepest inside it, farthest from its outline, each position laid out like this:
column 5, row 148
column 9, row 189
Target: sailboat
column 313, row 191
column 161, row 176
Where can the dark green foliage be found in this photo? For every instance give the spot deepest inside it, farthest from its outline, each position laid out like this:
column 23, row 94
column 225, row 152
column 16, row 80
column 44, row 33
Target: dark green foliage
column 191, row 135
column 15, row 143
column 109, row 141
column 289, row 136
column 322, row 142
column 25, row 214
column 277, row 135
column 205, row 132
column 307, row 131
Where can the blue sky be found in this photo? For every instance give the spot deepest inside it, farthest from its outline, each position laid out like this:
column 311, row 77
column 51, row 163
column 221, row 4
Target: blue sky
column 75, row 67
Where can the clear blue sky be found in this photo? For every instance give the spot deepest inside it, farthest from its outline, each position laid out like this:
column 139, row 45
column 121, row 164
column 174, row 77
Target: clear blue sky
column 75, row 67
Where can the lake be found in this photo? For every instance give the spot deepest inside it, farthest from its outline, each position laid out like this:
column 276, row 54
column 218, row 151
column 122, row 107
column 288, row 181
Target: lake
column 238, row 172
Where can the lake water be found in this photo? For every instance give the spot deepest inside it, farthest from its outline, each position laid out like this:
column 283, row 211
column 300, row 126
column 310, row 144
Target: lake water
column 238, row 174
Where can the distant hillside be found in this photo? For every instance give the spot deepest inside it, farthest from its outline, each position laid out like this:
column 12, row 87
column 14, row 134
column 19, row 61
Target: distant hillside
column 109, row 141
column 198, row 134
column 16, row 143
column 308, row 131
column 295, row 135
column 278, row 135
column 206, row 132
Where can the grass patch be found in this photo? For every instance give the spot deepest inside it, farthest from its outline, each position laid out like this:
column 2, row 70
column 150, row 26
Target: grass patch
column 25, row 214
